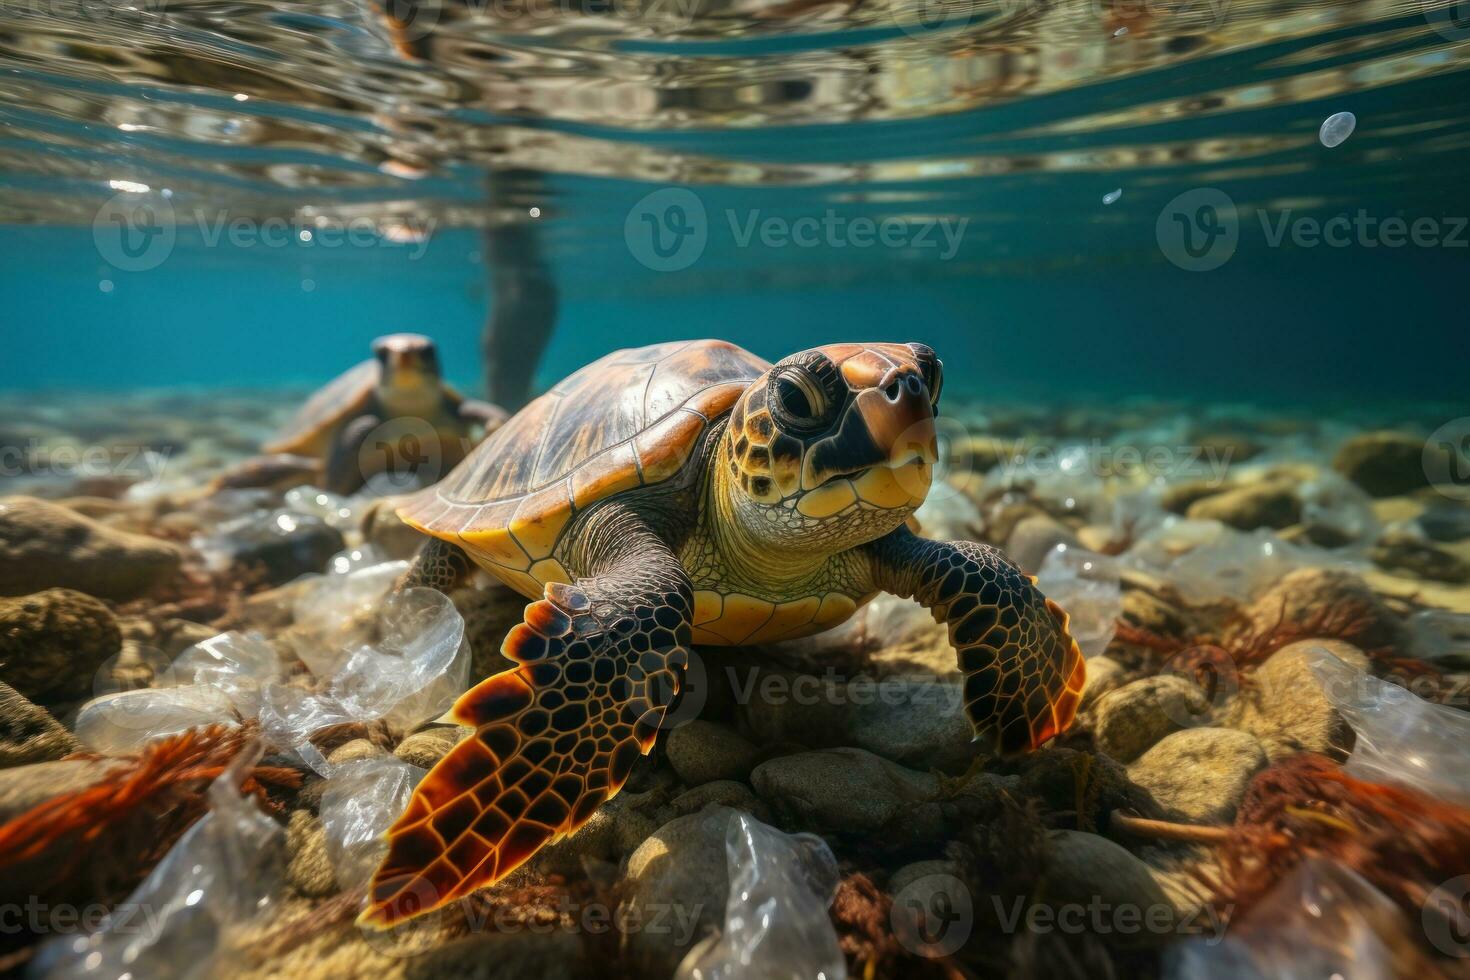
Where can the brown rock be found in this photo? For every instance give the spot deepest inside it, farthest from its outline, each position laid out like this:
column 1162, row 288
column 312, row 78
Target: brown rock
column 1385, row 464
column 424, row 749
column 309, row 867
column 29, row 734
column 1306, row 594
column 1199, row 775
column 52, row 643
column 44, row 545
column 1284, row 706
column 1130, row 719
column 1397, row 551
column 1272, row 504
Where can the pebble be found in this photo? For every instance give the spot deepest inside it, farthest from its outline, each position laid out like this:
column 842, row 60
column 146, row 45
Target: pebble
column 1386, row 464
column 425, row 748
column 1086, row 871
column 1034, row 537
column 1199, row 775
column 44, row 545
column 1272, row 504
column 678, row 873
column 850, row 790
column 704, row 751
column 1285, row 708
column 1130, row 719
column 281, row 544
column 28, row 733
column 1306, row 593
column 1401, row 552
column 53, row 643
column 308, row 866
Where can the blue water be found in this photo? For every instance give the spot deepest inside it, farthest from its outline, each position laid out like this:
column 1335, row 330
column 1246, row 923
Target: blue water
column 1060, row 137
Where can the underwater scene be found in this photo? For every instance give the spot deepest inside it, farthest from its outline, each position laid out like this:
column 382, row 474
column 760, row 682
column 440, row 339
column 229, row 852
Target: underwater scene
column 724, row 489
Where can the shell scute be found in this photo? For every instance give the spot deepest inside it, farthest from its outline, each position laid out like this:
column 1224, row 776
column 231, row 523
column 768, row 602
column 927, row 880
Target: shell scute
column 633, row 418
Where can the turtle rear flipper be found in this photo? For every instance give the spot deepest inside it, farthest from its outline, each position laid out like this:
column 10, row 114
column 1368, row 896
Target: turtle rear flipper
column 555, row 737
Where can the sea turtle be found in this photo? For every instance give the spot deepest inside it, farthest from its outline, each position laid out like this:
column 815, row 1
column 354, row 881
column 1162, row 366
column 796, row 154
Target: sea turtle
column 690, row 493
column 392, row 412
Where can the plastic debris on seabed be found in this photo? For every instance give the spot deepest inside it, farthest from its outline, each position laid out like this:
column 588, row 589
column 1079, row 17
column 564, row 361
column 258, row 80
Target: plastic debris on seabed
column 776, row 920
column 1323, row 920
column 1401, row 738
column 126, row 720
column 1336, row 507
column 1086, row 585
column 1336, row 128
column 1440, row 636
column 414, row 672
column 1206, row 561
column 360, row 801
column 192, row 912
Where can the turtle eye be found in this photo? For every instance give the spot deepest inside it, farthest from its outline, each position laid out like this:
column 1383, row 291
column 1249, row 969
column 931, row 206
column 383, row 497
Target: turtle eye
column 801, row 396
column 932, row 368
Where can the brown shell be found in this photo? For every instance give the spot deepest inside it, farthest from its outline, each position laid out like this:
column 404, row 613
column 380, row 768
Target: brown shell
column 630, row 419
column 344, row 397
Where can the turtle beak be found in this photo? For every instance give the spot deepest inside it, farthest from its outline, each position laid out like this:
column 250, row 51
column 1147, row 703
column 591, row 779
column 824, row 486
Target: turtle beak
column 900, row 420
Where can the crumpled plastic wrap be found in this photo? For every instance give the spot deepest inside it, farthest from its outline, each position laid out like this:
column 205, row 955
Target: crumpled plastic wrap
column 776, row 921
column 1086, row 585
column 188, row 916
column 122, row 722
column 1401, row 738
column 414, row 668
column 361, row 800
column 1206, row 561
column 414, row 673
column 1324, row 920
column 1440, row 636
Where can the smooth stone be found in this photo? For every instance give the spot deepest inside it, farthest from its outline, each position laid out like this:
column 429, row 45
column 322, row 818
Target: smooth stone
column 488, row 954
column 28, row 734
column 1135, row 716
column 1034, row 537
column 850, row 790
column 284, row 546
column 425, row 748
column 308, row 866
column 1306, row 593
column 1285, row 708
column 1104, row 674
column 1398, row 551
column 1200, row 775
column 1177, row 498
column 1246, row 508
column 614, row 831
column 1386, row 464
column 53, row 643
column 680, row 868
column 43, row 545
column 704, row 751
column 916, row 723
column 1088, row 871
column 725, row 792
column 353, row 750
column 23, row 787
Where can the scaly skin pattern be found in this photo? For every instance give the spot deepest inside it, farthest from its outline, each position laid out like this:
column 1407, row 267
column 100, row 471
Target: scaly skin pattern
column 764, row 534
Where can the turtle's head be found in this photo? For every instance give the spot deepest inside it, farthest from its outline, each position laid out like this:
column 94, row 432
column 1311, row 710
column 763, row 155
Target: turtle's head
column 841, row 438
column 409, row 369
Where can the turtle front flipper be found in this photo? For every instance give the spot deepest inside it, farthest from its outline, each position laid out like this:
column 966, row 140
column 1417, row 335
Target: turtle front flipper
column 600, row 661
column 1023, row 670
column 344, row 468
